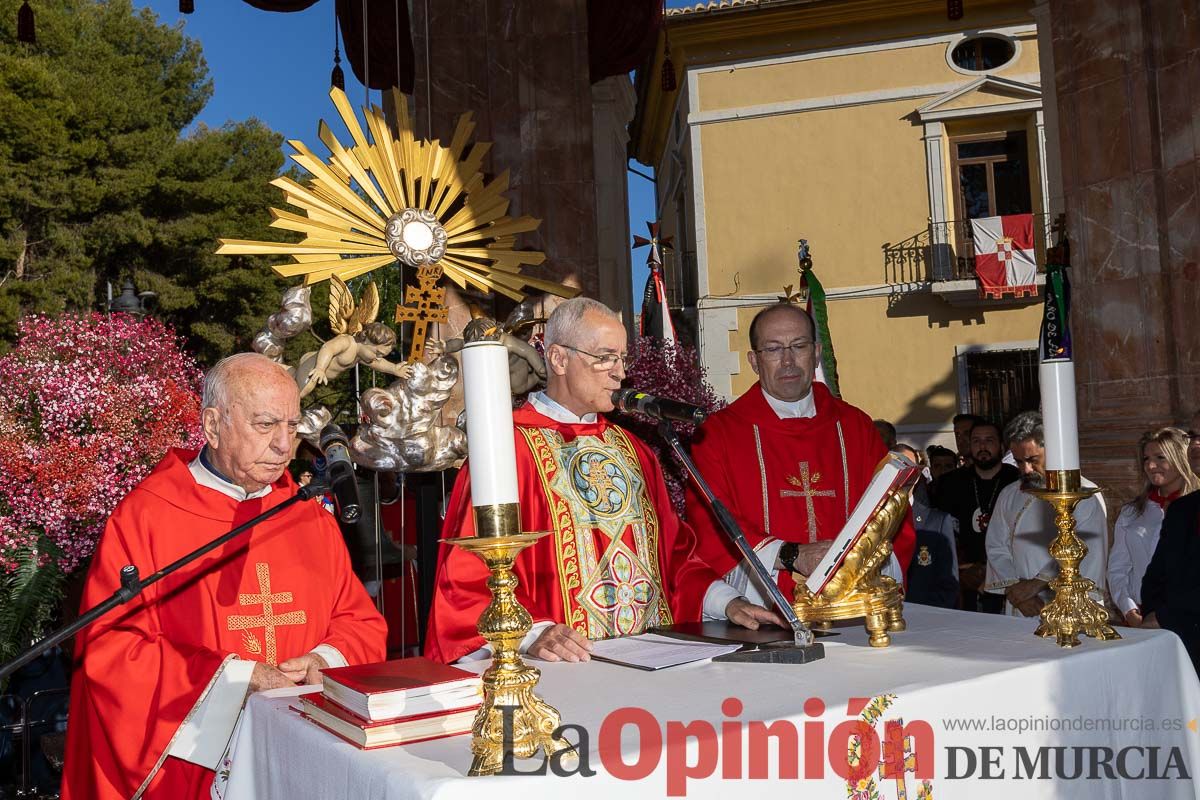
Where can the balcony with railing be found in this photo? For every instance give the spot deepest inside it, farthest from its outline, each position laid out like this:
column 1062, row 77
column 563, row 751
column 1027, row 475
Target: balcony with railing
column 941, row 259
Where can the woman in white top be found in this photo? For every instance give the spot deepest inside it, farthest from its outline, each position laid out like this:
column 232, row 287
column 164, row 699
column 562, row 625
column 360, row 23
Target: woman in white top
column 1162, row 455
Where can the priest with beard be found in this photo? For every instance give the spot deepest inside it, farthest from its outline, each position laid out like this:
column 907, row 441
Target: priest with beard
column 788, row 459
column 1019, row 564
column 619, row 560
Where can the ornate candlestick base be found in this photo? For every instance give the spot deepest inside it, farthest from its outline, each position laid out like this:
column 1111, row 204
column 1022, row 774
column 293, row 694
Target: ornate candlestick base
column 1072, row 611
column 509, row 681
column 858, row 589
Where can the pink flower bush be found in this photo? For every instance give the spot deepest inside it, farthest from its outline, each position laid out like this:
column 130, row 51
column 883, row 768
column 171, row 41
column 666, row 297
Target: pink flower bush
column 674, row 371
column 88, row 405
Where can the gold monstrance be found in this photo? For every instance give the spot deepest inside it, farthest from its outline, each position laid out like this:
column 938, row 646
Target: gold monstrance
column 389, row 198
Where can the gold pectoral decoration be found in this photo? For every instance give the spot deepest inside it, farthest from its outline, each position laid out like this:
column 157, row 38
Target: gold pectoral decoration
column 858, row 589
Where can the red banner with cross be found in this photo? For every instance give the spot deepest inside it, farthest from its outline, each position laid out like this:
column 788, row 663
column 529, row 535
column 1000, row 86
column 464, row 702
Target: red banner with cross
column 1005, row 260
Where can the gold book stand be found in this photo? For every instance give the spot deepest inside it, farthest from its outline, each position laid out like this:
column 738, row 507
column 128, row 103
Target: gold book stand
column 858, row 589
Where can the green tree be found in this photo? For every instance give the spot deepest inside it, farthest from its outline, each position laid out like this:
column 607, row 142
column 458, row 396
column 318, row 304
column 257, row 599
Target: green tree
column 98, row 182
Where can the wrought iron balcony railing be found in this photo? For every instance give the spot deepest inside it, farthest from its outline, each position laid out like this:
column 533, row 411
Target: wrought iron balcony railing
column 945, row 251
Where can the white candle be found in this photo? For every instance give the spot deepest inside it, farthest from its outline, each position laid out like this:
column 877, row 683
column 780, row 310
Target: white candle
column 1058, row 414
column 488, row 399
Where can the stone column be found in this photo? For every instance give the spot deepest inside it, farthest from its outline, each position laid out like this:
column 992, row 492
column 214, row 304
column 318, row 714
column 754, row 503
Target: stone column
column 1127, row 74
column 521, row 66
column 613, row 102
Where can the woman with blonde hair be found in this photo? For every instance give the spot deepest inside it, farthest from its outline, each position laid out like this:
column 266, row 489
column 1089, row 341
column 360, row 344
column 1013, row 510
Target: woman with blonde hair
column 1163, row 460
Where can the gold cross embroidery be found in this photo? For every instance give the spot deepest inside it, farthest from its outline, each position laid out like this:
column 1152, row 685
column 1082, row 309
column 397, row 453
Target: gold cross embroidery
column 805, row 482
column 268, row 619
column 599, row 480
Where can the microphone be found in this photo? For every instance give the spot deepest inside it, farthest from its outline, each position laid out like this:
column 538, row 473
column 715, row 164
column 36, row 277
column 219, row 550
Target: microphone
column 658, row 407
column 339, row 472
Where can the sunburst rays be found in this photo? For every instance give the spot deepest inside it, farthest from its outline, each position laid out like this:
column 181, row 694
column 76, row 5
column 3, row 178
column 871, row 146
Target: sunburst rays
column 387, row 198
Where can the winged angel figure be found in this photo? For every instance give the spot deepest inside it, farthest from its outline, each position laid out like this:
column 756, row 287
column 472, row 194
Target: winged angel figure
column 359, row 340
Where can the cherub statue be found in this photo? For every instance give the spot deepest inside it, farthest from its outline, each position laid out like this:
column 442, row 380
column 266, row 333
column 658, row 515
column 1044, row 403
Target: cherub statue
column 369, row 347
column 359, row 340
column 526, row 367
column 402, row 433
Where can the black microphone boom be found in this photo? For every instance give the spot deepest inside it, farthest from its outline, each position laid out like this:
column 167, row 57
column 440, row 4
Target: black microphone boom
column 339, row 472
column 659, row 408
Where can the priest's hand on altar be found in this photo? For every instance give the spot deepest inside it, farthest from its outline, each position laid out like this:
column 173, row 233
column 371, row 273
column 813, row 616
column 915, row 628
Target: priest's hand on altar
column 741, row 611
column 266, row 677
column 305, row 669
column 561, row 643
column 1133, row 618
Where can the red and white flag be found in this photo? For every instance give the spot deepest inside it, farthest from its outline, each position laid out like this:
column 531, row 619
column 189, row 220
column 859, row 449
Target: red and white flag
column 1005, row 261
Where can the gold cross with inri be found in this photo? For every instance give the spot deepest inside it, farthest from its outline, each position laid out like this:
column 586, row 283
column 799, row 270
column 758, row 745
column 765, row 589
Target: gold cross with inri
column 430, row 307
column 268, row 620
column 805, row 482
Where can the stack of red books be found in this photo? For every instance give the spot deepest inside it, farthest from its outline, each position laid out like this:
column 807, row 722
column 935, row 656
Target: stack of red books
column 395, row 702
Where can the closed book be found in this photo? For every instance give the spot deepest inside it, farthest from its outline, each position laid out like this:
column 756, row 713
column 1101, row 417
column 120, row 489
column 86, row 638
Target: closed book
column 366, row 734
column 401, row 688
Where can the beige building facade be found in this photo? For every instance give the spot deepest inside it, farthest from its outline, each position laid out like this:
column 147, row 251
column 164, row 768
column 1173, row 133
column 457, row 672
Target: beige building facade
column 875, row 131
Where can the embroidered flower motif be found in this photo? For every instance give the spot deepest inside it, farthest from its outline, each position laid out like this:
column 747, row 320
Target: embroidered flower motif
column 624, row 594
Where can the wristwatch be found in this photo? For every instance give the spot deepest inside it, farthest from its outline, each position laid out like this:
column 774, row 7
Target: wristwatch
column 788, row 554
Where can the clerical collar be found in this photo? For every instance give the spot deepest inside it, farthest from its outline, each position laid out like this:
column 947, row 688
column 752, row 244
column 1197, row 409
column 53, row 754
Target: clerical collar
column 803, row 408
column 548, row 407
column 209, row 476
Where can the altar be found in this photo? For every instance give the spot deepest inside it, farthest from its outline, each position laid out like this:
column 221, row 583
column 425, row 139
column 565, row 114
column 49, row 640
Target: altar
column 983, row 708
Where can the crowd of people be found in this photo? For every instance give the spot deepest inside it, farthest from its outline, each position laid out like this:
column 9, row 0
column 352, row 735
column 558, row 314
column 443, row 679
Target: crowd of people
column 992, row 538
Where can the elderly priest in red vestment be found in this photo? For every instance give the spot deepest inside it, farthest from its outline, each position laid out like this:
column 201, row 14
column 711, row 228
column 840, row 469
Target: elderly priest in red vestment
column 619, row 560
column 159, row 682
column 788, row 458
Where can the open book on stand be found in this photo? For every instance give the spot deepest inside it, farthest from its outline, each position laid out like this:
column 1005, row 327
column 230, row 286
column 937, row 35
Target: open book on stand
column 893, row 473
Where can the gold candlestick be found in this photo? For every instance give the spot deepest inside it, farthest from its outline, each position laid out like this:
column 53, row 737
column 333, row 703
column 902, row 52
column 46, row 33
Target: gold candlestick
column 509, row 681
column 1072, row 611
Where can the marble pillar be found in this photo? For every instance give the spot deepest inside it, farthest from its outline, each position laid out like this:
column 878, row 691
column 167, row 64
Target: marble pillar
column 521, row 66
column 1127, row 76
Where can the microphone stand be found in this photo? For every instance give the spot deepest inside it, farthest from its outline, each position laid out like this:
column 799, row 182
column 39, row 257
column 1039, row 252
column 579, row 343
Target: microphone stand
column 132, row 586
column 802, row 649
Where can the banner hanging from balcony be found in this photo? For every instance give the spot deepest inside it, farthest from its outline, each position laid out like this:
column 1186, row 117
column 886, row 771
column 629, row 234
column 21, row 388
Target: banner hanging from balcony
column 1005, row 260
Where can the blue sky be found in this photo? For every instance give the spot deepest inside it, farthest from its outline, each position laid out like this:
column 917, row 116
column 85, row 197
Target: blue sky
column 276, row 67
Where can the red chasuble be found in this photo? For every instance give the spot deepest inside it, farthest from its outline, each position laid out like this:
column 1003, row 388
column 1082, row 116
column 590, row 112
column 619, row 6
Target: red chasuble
column 269, row 595
column 618, row 560
column 790, row 479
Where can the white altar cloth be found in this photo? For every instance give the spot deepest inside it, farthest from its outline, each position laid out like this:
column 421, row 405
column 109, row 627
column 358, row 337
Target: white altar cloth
column 951, row 669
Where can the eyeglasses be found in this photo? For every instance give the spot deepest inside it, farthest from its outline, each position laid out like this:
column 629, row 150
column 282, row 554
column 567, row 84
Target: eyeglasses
column 1193, row 436
column 775, row 352
column 604, row 361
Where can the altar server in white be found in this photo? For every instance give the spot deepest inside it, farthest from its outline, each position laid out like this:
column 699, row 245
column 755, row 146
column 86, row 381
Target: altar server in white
column 1022, row 527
